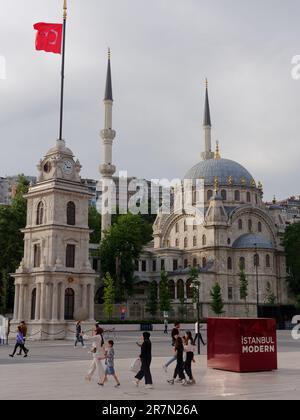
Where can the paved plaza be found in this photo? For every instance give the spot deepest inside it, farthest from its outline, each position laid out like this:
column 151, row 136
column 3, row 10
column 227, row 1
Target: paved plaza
column 55, row 370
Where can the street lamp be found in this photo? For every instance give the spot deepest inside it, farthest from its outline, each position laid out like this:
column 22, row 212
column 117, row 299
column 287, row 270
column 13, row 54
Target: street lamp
column 196, row 284
column 256, row 273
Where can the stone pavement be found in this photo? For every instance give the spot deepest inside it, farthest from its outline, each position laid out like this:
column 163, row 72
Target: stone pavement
column 50, row 379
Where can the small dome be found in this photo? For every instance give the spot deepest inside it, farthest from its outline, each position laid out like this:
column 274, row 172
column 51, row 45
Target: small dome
column 60, row 147
column 252, row 240
column 220, row 168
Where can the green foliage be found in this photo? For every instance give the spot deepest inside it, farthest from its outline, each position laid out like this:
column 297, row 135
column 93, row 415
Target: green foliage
column 183, row 310
column 195, row 283
column 12, row 220
column 108, row 295
column 270, row 298
column 164, row 294
column 217, row 301
column 244, row 288
column 152, row 301
column 291, row 243
column 121, row 247
column 95, row 225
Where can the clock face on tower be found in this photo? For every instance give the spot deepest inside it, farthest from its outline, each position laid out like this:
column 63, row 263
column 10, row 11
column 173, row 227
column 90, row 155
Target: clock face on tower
column 68, row 167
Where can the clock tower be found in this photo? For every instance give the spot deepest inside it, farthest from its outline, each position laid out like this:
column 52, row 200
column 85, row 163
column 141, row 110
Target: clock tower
column 54, row 284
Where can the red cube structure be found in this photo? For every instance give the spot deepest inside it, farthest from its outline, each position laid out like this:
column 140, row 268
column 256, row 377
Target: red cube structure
column 242, row 344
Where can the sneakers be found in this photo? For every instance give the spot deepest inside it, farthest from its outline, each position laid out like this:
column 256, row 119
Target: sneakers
column 11, row 355
column 171, row 381
column 149, row 386
column 117, row 385
column 178, row 381
column 165, row 368
column 136, row 382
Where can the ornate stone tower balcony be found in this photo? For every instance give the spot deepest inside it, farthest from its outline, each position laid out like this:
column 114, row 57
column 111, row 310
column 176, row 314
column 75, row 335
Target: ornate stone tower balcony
column 106, row 169
column 108, row 134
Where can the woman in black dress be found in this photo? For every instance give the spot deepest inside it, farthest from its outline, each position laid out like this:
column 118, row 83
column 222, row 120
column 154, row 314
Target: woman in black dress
column 146, row 358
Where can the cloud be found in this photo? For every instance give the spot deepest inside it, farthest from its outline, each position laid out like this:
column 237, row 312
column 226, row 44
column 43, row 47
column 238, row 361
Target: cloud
column 161, row 53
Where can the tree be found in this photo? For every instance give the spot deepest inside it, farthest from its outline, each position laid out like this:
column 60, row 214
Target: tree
column 94, row 225
column 270, row 298
column 164, row 294
column 183, row 307
column 12, row 220
column 244, row 289
column 195, row 283
column 152, row 302
column 121, row 247
column 217, row 301
column 108, row 295
column 291, row 243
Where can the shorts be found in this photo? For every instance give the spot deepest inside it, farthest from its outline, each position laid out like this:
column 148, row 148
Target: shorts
column 110, row 370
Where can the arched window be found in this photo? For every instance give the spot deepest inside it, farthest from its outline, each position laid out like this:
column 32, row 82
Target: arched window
column 69, row 304
column 240, row 224
column 195, row 262
column 171, row 286
column 228, row 241
column 180, row 289
column 229, row 263
column 237, row 195
column 194, row 225
column 176, row 228
column 184, row 226
column 40, row 213
column 189, row 289
column 256, row 199
column 204, row 262
column 71, row 211
column 209, row 194
column 268, row 261
column 224, row 195
column 250, row 225
column 37, row 255
column 248, row 197
column 242, row 263
column 259, row 227
column 203, row 240
column 185, row 242
column 177, row 242
column 70, row 256
column 33, row 304
column 256, row 260
column 194, row 240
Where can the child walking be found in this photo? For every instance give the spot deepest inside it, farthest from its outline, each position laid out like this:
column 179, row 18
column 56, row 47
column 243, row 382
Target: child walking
column 110, row 364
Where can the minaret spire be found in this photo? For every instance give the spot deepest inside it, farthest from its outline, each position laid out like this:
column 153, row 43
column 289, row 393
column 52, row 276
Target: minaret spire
column 207, row 154
column 107, row 169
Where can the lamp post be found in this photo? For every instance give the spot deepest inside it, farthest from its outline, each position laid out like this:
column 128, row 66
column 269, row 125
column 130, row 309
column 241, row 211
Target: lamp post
column 198, row 318
column 256, row 274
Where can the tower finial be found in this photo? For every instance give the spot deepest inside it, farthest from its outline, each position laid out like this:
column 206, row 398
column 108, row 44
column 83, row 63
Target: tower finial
column 217, row 152
column 108, row 88
column 206, row 83
column 206, row 120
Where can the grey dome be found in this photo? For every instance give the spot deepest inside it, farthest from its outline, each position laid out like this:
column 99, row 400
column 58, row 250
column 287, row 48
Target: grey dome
column 249, row 240
column 221, row 168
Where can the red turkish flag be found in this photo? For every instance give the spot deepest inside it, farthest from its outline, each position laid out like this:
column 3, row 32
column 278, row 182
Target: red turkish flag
column 48, row 37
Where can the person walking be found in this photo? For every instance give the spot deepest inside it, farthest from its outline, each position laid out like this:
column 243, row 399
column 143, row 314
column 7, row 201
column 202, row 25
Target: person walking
column 19, row 343
column 174, row 334
column 24, row 332
column 79, row 335
column 166, row 326
column 98, row 353
column 196, row 334
column 179, row 369
column 189, row 348
column 146, row 357
column 110, row 364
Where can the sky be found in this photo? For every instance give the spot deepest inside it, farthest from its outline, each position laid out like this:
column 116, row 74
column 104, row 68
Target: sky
column 162, row 51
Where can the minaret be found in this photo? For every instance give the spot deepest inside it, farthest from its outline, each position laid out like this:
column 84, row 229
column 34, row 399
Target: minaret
column 107, row 169
column 207, row 154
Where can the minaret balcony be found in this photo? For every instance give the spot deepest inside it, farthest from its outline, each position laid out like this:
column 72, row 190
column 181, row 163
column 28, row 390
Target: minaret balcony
column 106, row 169
column 108, row 134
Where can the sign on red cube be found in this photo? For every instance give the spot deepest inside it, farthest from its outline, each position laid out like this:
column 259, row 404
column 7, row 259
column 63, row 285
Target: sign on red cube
column 242, row 344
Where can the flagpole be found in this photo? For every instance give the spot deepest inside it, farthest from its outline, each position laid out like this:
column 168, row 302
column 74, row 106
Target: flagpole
column 63, row 71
